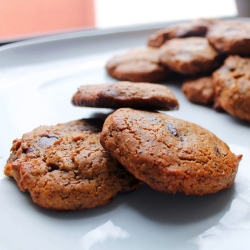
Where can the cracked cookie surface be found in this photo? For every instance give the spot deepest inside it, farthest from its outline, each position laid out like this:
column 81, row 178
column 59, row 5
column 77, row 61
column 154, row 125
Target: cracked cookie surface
column 126, row 94
column 64, row 167
column 169, row 154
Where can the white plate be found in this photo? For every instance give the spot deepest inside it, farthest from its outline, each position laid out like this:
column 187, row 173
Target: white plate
column 37, row 80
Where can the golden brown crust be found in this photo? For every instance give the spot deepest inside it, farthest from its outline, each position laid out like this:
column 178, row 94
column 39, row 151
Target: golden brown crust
column 232, row 87
column 189, row 56
column 199, row 90
column 126, row 94
column 138, row 65
column 64, row 167
column 169, row 154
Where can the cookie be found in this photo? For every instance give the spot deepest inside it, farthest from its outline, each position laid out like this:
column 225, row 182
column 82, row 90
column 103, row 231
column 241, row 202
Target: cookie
column 189, row 56
column 232, row 87
column 195, row 28
column 231, row 37
column 169, row 154
column 138, row 65
column 199, row 90
column 126, row 94
column 64, row 167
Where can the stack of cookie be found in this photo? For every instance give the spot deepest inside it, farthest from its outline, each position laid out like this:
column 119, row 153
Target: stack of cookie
column 64, row 167
column 211, row 51
column 86, row 163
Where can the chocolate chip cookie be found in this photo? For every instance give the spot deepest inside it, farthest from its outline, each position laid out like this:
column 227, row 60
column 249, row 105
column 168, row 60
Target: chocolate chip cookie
column 169, row 154
column 231, row 37
column 197, row 28
column 64, row 167
column 189, row 56
column 232, row 87
column 126, row 94
column 138, row 65
column 199, row 90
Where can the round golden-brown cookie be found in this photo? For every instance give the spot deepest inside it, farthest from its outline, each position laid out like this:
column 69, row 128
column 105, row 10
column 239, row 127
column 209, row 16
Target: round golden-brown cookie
column 232, row 87
column 64, row 167
column 189, row 56
column 199, row 90
column 138, row 65
column 126, row 94
column 231, row 37
column 197, row 28
column 169, row 154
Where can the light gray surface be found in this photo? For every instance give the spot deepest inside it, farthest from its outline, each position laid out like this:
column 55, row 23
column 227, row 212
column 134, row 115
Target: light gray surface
column 37, row 81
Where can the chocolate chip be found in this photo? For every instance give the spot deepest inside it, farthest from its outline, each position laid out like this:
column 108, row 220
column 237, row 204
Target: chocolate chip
column 217, row 151
column 139, row 152
column 172, row 129
column 48, row 140
column 52, row 167
column 28, row 150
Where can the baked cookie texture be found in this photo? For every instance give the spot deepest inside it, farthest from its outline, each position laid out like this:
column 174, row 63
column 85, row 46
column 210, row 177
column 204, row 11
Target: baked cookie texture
column 232, row 87
column 197, row 28
column 138, row 65
column 199, row 90
column 189, row 56
column 169, row 154
column 126, row 94
column 231, row 37
column 64, row 167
